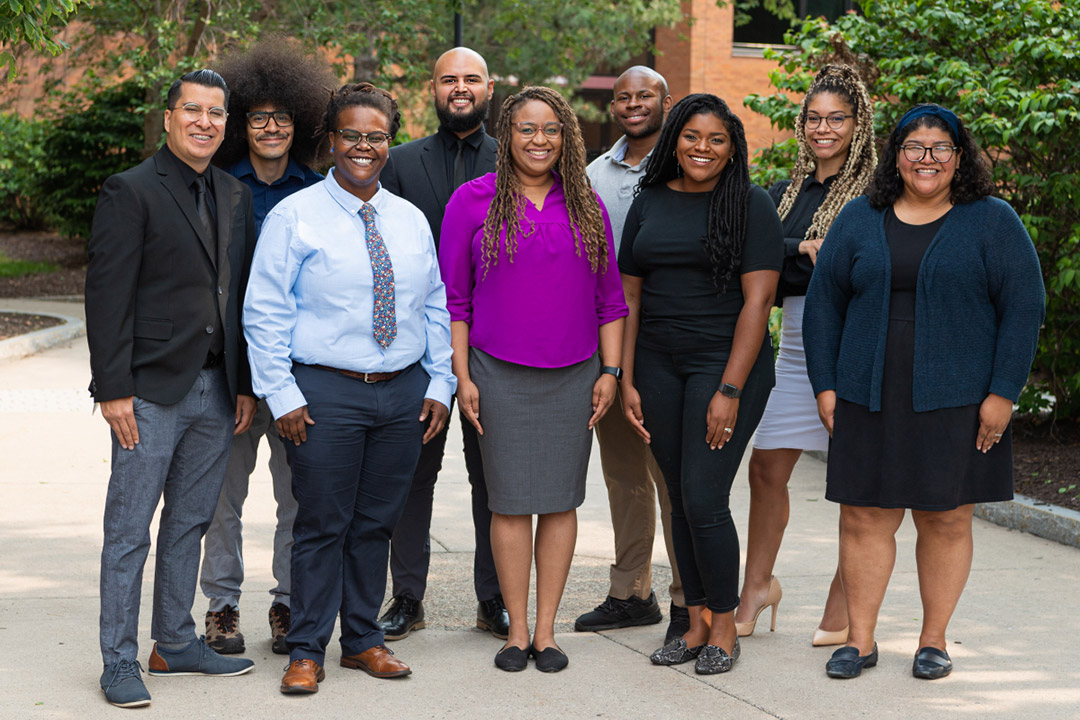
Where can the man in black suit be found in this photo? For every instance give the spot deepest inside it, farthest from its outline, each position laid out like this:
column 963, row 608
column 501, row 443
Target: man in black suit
column 426, row 172
column 169, row 252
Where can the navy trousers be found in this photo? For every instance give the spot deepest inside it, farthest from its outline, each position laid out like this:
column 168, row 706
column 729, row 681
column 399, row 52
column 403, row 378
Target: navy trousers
column 350, row 480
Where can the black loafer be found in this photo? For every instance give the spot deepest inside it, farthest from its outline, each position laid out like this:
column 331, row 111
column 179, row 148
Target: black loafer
column 512, row 658
column 931, row 664
column 675, row 653
column 491, row 615
column 550, row 659
column 846, row 662
column 402, row 617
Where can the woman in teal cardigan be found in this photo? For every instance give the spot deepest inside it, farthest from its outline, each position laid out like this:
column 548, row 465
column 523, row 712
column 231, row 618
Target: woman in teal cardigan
column 921, row 324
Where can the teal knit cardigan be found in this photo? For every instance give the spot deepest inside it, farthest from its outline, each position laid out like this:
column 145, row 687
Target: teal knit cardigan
column 979, row 304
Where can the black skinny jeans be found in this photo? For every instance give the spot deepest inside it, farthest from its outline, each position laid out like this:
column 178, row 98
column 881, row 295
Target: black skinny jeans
column 676, row 388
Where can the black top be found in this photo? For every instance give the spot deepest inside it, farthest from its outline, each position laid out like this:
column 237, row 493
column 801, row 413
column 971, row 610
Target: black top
column 795, row 276
column 663, row 242
column 907, row 245
column 472, row 144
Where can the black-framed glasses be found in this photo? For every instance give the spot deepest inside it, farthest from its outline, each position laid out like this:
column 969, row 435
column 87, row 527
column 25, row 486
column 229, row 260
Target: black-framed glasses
column 259, row 120
column 834, row 120
column 352, row 137
column 528, row 129
column 193, row 112
column 938, row 153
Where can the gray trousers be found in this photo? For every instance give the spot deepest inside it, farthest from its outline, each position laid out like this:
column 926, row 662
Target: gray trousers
column 223, row 556
column 181, row 454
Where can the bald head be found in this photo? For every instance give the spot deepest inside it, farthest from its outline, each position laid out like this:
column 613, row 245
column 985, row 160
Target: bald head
column 641, row 72
column 462, row 89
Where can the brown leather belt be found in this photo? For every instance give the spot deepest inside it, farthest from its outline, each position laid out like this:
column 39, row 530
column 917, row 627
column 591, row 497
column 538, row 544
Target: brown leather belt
column 366, row 377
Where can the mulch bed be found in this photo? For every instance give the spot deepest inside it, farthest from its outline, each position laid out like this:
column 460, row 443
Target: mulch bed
column 1046, row 455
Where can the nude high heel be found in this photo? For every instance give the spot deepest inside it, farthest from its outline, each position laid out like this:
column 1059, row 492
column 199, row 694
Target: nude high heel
column 823, row 638
column 773, row 599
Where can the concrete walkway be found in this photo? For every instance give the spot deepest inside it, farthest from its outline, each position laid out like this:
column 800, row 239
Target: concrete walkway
column 1013, row 639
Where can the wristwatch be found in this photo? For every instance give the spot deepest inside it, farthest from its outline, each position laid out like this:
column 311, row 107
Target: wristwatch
column 610, row 370
column 729, row 390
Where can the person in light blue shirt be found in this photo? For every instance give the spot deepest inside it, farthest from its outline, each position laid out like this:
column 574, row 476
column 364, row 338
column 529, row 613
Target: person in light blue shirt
column 349, row 338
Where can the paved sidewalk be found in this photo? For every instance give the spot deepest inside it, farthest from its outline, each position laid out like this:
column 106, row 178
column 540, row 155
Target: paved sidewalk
column 1013, row 639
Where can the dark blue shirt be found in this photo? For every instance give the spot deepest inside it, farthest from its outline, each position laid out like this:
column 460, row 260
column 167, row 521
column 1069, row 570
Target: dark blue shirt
column 264, row 197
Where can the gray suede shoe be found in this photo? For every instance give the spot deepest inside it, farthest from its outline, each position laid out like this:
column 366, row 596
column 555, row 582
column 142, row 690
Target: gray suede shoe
column 713, row 659
column 675, row 653
column 123, row 686
column 198, row 658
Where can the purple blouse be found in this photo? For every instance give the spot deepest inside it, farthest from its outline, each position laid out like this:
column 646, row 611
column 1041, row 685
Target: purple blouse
column 545, row 308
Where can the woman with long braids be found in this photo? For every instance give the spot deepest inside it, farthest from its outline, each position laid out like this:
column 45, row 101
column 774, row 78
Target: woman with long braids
column 700, row 258
column 533, row 291
column 835, row 134
column 922, row 320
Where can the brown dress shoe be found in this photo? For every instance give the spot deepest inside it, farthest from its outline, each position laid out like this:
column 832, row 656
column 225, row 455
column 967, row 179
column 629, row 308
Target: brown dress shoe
column 377, row 662
column 302, row 676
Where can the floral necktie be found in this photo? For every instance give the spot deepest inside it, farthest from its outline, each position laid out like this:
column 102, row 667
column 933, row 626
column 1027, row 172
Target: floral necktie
column 384, row 322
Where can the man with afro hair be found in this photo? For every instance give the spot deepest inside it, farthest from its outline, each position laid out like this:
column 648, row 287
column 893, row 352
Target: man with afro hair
column 277, row 102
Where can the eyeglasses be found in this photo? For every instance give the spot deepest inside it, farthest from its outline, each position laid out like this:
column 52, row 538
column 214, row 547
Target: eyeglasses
column 938, row 153
column 259, row 120
column 193, row 112
column 352, row 137
column 528, row 130
column 835, row 121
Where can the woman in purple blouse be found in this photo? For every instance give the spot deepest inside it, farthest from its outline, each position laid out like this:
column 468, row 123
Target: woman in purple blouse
column 533, row 289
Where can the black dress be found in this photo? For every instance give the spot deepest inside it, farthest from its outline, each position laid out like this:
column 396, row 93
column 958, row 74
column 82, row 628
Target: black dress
column 898, row 458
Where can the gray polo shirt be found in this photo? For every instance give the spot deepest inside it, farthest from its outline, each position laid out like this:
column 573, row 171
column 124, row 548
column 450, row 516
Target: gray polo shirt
column 615, row 181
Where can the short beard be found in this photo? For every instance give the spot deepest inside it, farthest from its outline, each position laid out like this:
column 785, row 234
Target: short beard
column 654, row 126
column 462, row 123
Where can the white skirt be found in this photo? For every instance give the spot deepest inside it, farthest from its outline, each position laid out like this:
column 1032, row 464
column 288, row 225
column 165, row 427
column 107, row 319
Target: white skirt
column 791, row 418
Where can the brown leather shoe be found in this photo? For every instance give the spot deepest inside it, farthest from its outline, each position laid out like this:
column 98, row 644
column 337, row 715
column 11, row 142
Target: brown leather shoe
column 377, row 662
column 302, row 676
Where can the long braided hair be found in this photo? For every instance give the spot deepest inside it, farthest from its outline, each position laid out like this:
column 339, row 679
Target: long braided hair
column 726, row 224
column 858, row 169
column 507, row 209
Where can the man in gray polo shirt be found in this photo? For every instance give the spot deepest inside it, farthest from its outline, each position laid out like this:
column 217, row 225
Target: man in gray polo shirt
column 638, row 108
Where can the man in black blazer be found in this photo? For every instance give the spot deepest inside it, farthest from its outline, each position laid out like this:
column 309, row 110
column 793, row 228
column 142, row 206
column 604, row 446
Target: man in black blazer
column 426, row 172
column 169, row 252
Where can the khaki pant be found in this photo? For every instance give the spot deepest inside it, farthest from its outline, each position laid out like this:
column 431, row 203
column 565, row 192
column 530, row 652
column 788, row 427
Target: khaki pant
column 633, row 481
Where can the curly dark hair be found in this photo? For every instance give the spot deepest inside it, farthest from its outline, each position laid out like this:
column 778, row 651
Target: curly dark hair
column 507, row 209
column 728, row 201
column 365, row 95
column 972, row 180
column 276, row 72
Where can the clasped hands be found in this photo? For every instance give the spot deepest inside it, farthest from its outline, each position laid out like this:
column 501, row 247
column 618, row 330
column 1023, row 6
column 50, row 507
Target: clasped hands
column 293, row 424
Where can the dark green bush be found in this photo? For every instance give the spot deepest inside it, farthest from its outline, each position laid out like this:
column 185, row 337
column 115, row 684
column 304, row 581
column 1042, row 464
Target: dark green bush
column 87, row 143
column 21, row 161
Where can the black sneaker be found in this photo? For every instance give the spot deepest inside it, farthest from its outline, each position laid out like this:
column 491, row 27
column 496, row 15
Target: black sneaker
column 223, row 631
column 614, row 613
column 402, row 617
column 680, row 623
column 280, row 622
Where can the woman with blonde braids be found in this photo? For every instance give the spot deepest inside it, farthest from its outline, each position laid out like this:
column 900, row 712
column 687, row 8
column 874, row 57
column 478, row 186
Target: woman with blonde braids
column 533, row 291
column 835, row 134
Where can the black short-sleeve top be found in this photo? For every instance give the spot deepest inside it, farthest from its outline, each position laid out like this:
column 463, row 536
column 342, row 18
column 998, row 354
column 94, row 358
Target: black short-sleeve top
column 663, row 243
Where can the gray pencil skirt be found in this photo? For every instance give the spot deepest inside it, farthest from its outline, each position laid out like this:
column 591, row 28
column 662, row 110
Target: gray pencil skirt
column 536, row 439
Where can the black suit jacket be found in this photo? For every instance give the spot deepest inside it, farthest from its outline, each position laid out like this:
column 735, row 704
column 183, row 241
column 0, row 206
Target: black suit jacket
column 153, row 283
column 416, row 171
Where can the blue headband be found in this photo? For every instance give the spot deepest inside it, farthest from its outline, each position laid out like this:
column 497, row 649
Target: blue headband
column 931, row 110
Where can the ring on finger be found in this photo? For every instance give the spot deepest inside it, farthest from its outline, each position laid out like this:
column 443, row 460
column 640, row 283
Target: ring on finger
column 727, row 430
column 998, row 434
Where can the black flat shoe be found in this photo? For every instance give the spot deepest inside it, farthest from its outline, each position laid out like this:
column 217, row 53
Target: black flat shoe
column 550, row 659
column 512, row 658
column 931, row 664
column 846, row 662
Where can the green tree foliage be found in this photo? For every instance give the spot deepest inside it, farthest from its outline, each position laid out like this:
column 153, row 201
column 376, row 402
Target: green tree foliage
column 21, row 162
column 1011, row 70
column 90, row 141
column 33, row 23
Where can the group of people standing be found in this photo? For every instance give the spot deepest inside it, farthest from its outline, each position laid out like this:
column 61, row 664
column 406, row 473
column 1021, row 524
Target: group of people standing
column 630, row 296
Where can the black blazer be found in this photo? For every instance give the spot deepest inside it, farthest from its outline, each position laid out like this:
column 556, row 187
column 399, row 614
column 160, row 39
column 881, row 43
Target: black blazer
column 416, row 171
column 153, row 285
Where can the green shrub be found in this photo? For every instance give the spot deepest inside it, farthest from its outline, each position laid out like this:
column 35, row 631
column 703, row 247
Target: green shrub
column 88, row 143
column 21, row 160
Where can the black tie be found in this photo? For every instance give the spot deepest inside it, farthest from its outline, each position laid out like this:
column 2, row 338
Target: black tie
column 203, row 207
column 460, row 176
